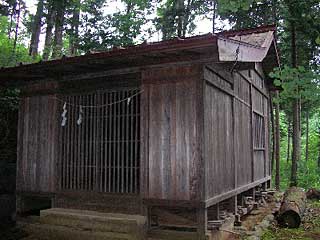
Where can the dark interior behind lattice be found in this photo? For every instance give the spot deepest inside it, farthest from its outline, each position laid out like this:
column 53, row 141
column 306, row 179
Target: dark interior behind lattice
column 102, row 153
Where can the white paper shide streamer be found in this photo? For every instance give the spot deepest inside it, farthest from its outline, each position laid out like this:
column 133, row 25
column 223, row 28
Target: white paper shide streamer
column 64, row 115
column 79, row 121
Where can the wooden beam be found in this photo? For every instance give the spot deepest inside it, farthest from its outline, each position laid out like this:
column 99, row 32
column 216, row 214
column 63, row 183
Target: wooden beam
column 224, row 196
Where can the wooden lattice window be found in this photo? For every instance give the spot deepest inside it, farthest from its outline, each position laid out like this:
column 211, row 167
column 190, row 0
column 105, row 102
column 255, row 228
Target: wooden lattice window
column 258, row 131
column 102, row 152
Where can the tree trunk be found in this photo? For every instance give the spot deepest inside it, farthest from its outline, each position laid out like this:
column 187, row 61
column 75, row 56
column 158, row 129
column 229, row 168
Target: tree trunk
column 58, row 34
column 296, row 107
column 296, row 141
column 13, row 13
column 75, row 29
column 292, row 208
column 50, row 22
column 275, row 11
column 307, row 135
column 179, row 13
column 36, row 30
column 16, row 31
column 319, row 149
column 289, row 140
column 186, row 14
column 277, row 142
column 214, row 7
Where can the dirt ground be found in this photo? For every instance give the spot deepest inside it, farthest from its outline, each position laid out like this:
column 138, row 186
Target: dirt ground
column 9, row 231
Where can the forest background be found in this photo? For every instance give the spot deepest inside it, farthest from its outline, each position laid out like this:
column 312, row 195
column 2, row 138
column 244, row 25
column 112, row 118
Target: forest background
column 74, row 27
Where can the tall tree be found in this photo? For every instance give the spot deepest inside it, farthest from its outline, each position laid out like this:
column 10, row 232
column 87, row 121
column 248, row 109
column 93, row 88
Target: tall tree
column 74, row 31
column 176, row 17
column 36, row 30
column 296, row 109
column 60, row 6
column 94, row 31
column 50, row 19
column 289, row 137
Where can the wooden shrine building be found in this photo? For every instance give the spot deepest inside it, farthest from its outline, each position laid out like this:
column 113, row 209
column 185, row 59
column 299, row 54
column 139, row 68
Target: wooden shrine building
column 168, row 128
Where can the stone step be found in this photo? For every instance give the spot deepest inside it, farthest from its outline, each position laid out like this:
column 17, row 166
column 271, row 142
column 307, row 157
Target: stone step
column 40, row 231
column 95, row 221
column 62, row 224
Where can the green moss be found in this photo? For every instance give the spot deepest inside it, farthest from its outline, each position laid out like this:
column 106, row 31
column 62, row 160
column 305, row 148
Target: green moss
column 285, row 234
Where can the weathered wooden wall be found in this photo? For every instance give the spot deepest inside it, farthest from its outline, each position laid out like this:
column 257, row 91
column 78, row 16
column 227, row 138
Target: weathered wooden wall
column 173, row 138
column 236, row 130
column 204, row 133
column 218, row 141
column 37, row 144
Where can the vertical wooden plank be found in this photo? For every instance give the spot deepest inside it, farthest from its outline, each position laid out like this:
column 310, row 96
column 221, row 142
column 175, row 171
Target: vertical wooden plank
column 62, row 148
column 127, row 144
column 79, row 129
column 86, row 142
column 82, row 140
column 132, row 143
column 122, row 139
column 19, row 144
column 118, row 140
column 114, row 137
column 82, row 130
column 103, row 143
column 42, row 141
column 234, row 119
column 76, row 146
column 72, row 122
column 144, row 143
column 137, row 97
column 67, row 158
column 26, row 153
column 95, row 143
column 90, row 142
column 252, row 132
column 110, row 131
column 56, row 130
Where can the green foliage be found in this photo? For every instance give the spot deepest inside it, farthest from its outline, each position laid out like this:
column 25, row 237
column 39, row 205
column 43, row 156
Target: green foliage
column 127, row 25
column 308, row 171
column 297, row 83
column 234, row 5
column 176, row 17
column 257, row 14
column 10, row 56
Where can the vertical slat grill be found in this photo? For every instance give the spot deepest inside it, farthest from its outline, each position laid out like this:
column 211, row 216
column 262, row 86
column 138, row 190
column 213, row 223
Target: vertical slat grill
column 102, row 153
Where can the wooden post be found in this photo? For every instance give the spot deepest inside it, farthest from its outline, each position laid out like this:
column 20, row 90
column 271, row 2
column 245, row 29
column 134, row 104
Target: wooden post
column 277, row 142
column 234, row 204
column 253, row 193
column 202, row 227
